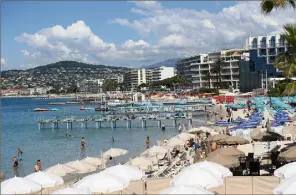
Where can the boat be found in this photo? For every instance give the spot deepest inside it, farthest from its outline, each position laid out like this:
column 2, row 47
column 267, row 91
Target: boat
column 54, row 109
column 102, row 108
column 40, row 110
column 86, row 108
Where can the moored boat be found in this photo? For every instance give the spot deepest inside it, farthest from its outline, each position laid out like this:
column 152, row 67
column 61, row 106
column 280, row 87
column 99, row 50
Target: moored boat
column 40, row 110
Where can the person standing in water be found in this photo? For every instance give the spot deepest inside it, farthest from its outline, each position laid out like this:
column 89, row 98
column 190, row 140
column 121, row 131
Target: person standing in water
column 112, row 139
column 148, row 142
column 38, row 166
column 15, row 166
column 20, row 153
column 83, row 142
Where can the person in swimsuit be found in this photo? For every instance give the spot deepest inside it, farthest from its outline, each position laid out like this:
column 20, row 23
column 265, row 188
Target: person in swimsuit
column 83, row 142
column 20, row 153
column 113, row 139
column 148, row 142
column 38, row 166
column 15, row 162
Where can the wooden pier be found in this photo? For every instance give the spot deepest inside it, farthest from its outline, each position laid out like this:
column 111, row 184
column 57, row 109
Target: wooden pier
column 97, row 123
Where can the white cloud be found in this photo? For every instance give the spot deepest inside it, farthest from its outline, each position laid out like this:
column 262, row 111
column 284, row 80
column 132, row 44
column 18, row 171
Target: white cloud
column 176, row 32
column 3, row 62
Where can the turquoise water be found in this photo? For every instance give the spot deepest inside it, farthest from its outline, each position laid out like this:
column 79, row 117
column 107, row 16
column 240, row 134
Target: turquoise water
column 20, row 129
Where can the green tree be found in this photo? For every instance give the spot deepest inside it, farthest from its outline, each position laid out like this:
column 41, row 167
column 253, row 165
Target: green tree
column 286, row 62
column 109, row 85
column 268, row 5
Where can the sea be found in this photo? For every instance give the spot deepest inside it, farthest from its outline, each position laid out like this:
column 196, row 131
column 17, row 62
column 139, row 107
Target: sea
column 20, row 130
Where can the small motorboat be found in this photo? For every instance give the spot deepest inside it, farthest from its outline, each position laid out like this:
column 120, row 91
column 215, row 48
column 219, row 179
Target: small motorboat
column 54, row 109
column 85, row 108
column 40, row 110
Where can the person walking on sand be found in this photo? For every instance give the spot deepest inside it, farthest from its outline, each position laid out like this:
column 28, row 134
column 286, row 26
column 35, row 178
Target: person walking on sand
column 148, row 142
column 83, row 142
column 38, row 166
column 20, row 153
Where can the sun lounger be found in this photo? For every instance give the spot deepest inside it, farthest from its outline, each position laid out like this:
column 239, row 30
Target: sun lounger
column 265, row 184
column 238, row 185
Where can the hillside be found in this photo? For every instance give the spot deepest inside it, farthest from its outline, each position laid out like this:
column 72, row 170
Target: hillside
column 63, row 73
column 169, row 63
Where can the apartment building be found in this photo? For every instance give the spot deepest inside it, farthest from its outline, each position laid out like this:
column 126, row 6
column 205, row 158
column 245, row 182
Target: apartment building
column 198, row 67
column 161, row 73
column 263, row 50
column 134, row 78
column 91, row 86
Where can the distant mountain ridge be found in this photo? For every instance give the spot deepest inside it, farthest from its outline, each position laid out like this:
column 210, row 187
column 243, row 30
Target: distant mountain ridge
column 169, row 63
column 64, row 73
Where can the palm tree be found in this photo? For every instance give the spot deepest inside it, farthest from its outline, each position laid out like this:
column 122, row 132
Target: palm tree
column 208, row 78
column 286, row 62
column 268, row 5
column 217, row 70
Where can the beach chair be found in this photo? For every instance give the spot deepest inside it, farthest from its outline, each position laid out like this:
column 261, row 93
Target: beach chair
column 159, row 171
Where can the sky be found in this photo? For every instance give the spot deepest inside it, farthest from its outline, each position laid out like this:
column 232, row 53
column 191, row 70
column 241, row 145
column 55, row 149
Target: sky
column 127, row 33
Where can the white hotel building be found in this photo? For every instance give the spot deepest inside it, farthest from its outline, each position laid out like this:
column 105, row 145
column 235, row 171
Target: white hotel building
column 203, row 63
column 134, row 78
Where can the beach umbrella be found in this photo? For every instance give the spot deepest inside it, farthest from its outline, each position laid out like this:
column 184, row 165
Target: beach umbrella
column 19, row 185
column 196, row 177
column 233, row 140
column 228, row 151
column 288, row 155
column 72, row 191
column 174, row 142
column 126, row 172
column 218, row 170
column 220, row 137
column 200, row 129
column 94, row 161
column 81, row 166
column 286, row 187
column 102, row 183
column 258, row 135
column 60, row 170
column 286, row 171
column 46, row 180
column 155, row 151
column 142, row 163
column 185, row 136
column 114, row 152
column 184, row 190
column 224, row 161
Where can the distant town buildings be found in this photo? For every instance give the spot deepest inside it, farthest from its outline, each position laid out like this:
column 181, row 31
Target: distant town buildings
column 91, row 86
